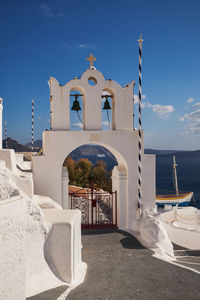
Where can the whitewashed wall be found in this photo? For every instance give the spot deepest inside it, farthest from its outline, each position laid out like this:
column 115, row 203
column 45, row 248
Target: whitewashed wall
column 12, row 249
column 122, row 141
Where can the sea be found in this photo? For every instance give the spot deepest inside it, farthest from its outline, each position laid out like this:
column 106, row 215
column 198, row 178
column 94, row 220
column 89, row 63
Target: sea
column 188, row 174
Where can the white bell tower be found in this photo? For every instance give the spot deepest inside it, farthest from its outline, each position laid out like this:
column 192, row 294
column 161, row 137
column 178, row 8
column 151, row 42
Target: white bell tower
column 121, row 140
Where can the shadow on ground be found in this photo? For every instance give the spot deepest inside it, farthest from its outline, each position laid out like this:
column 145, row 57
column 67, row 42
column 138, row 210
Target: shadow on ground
column 129, row 241
column 51, row 294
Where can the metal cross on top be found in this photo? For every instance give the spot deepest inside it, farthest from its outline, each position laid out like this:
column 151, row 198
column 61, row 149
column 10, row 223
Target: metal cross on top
column 91, row 59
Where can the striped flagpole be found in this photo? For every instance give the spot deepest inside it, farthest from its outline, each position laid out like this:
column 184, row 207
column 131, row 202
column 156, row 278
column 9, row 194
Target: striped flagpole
column 50, row 104
column 32, row 127
column 6, row 138
column 139, row 205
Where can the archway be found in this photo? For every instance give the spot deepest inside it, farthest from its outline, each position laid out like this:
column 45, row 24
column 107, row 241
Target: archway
column 92, row 180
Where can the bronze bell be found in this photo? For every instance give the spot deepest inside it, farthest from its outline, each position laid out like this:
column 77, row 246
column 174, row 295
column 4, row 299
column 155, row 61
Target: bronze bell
column 106, row 104
column 76, row 104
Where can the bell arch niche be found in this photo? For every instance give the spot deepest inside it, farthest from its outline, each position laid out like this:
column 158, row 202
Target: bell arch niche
column 108, row 109
column 77, row 109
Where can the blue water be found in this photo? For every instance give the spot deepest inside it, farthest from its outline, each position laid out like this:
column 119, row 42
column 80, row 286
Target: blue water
column 188, row 173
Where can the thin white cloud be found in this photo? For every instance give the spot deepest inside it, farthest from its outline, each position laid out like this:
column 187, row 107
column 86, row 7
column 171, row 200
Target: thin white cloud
column 162, row 111
column 67, row 45
column 46, row 10
column 78, row 125
column 196, row 105
column 148, row 104
column 195, row 115
column 136, row 98
column 192, row 128
column 86, row 46
column 183, row 118
column 193, row 123
column 190, row 100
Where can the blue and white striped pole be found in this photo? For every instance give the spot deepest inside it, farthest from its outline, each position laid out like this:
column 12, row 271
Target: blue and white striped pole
column 139, row 205
column 51, row 98
column 32, row 127
column 6, row 137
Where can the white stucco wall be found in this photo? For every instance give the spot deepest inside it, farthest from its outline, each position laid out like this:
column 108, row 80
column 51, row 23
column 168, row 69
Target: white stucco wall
column 12, row 249
column 8, row 155
column 26, row 238
column 122, row 141
column 22, row 178
column 148, row 181
column 57, row 145
column 63, row 246
column 120, row 185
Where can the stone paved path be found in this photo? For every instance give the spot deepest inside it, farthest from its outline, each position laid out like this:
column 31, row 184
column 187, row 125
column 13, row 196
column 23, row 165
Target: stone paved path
column 188, row 258
column 119, row 268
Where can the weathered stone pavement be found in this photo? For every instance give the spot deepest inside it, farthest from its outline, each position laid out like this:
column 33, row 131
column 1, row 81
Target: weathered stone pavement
column 188, row 258
column 119, row 268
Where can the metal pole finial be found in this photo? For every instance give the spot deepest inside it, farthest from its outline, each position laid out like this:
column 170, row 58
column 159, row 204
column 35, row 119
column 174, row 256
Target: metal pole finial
column 140, row 40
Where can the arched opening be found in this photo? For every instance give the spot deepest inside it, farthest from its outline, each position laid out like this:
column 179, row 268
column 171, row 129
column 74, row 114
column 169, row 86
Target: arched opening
column 107, row 108
column 92, row 81
column 77, row 112
column 87, row 175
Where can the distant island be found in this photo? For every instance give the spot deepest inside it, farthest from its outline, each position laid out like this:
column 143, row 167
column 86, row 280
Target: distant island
column 177, row 153
column 96, row 152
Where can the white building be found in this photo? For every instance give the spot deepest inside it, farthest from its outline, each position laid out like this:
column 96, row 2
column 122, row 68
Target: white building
column 50, row 177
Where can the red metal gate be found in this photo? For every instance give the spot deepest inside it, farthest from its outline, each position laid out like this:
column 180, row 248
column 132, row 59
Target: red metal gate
column 97, row 208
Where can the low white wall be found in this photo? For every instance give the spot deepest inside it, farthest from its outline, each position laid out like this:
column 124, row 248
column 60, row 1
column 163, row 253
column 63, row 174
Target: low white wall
column 148, row 181
column 183, row 227
column 8, row 155
column 23, row 179
column 25, row 183
column 120, row 184
column 63, row 245
column 24, row 234
column 12, row 249
column 19, row 157
column 183, row 237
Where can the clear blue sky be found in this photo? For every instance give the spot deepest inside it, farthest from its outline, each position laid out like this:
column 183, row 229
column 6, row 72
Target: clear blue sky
column 40, row 39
